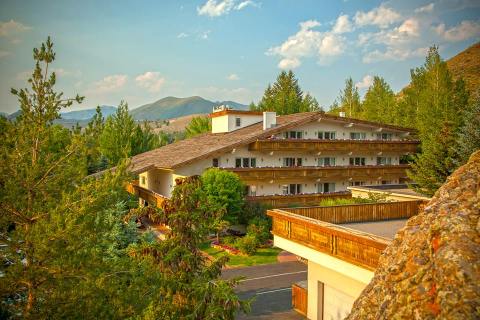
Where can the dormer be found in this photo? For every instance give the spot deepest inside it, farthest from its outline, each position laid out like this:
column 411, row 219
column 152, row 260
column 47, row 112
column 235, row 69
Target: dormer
column 228, row 120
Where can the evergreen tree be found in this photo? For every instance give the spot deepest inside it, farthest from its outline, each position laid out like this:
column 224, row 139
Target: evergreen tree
column 143, row 139
column 379, row 103
column 286, row 97
column 468, row 137
column 95, row 160
column 350, row 99
column 198, row 125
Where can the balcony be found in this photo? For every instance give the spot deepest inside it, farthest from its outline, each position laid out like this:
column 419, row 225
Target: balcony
column 343, row 146
column 380, row 172
column 314, row 228
column 148, row 195
column 279, row 201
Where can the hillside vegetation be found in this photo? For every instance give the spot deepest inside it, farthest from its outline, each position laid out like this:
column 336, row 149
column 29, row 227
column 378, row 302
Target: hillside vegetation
column 466, row 64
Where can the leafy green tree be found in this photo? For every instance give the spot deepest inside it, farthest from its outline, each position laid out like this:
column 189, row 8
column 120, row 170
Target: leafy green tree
column 286, row 97
column 350, row 100
column 225, row 192
column 198, row 125
column 468, row 137
column 191, row 288
column 379, row 103
column 116, row 138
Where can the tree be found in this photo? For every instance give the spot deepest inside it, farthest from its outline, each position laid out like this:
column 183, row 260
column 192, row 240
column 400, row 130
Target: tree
column 191, row 288
column 379, row 103
column 95, row 160
column 350, row 99
column 198, row 125
column 468, row 137
column 286, row 97
column 225, row 192
column 143, row 139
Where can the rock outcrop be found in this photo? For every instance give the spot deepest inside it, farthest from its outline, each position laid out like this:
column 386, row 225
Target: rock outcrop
column 432, row 268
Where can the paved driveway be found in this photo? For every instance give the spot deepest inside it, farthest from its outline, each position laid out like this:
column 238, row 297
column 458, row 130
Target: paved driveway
column 271, row 285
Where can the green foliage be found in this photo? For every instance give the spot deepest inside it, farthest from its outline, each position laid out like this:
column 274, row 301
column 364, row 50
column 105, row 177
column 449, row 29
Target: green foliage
column 95, row 160
column 350, row 100
column 468, row 137
column 286, row 97
column 342, row 201
column 260, row 229
column 224, row 191
column 253, row 210
column 379, row 103
column 248, row 244
column 198, row 125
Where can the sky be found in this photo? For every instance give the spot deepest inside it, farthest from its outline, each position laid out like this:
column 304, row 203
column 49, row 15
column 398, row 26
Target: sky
column 142, row 51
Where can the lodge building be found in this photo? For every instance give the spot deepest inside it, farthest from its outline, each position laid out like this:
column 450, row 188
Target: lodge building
column 292, row 159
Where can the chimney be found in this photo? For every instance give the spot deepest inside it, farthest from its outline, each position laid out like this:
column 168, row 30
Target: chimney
column 342, row 114
column 269, row 120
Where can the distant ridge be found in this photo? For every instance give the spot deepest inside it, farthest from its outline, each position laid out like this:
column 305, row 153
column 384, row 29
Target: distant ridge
column 173, row 107
column 88, row 113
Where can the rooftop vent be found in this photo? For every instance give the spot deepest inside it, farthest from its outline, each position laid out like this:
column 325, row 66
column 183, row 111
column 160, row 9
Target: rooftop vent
column 221, row 108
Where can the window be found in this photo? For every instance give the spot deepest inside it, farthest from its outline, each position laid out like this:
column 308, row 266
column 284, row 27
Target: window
column 357, row 161
column 215, row 162
column 293, row 135
column 381, row 161
column 386, row 182
column 326, row 162
column 358, row 135
column 143, row 180
column 356, row 183
column 293, row 188
column 292, row 162
column 245, row 162
column 252, row 190
column 384, row 136
column 327, row 135
column 238, row 122
column 326, row 187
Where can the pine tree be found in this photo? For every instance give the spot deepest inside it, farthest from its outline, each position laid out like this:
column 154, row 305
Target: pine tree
column 350, row 99
column 468, row 137
column 95, row 160
column 286, row 97
column 379, row 103
column 198, row 125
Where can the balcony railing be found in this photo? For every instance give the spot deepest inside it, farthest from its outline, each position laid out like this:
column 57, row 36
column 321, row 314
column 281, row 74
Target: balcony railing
column 356, row 247
column 282, row 201
column 345, row 146
column 360, row 212
column 148, row 195
column 380, row 172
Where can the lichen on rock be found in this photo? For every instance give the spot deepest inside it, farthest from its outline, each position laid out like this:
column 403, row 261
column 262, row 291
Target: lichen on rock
column 431, row 270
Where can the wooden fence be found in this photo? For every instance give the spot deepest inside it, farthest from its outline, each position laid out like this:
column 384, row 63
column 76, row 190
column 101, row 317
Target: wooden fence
column 279, row 201
column 360, row 212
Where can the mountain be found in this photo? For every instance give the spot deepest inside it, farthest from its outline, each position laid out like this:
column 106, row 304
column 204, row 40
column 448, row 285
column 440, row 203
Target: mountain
column 172, row 107
column 88, row 113
column 466, row 64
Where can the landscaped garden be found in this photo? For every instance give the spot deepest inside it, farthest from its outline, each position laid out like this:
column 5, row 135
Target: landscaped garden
column 261, row 256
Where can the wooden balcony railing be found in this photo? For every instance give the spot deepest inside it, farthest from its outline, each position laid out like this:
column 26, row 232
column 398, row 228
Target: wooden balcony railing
column 386, row 172
column 360, row 212
column 148, row 195
column 344, row 146
column 282, row 201
column 356, row 247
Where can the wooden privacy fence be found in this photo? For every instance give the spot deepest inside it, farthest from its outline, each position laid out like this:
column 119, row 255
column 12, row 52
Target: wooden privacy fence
column 360, row 212
column 278, row 201
column 359, row 248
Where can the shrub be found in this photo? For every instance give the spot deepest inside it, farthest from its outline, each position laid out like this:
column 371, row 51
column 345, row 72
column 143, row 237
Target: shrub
column 253, row 210
column 260, row 229
column 229, row 240
column 248, row 244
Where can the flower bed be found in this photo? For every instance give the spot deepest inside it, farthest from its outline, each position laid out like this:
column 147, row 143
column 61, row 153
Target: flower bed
column 220, row 246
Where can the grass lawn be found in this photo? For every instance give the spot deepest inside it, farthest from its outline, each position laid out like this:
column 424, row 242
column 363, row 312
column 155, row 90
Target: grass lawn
column 263, row 256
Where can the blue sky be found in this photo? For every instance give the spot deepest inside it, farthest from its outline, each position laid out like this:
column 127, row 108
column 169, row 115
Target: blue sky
column 141, row 51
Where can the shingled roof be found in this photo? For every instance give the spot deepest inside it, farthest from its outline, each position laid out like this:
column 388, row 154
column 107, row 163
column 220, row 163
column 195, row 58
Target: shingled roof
column 200, row 147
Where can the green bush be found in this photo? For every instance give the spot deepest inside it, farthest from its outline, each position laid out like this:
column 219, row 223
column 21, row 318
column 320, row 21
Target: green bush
column 229, row 240
column 248, row 244
column 260, row 229
column 253, row 210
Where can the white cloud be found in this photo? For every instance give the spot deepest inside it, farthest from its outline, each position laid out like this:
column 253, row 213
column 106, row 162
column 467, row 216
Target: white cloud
column 405, row 33
column 465, row 30
column 381, row 16
column 204, row 35
column 152, row 81
column 366, row 82
column 4, row 53
column 214, row 8
column 392, row 53
column 109, row 83
column 245, row 4
column 308, row 43
column 233, row 77
column 11, row 28
column 182, row 35
column 342, row 25
column 425, row 9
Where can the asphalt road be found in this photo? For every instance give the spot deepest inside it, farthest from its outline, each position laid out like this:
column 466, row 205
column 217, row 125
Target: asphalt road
column 271, row 286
